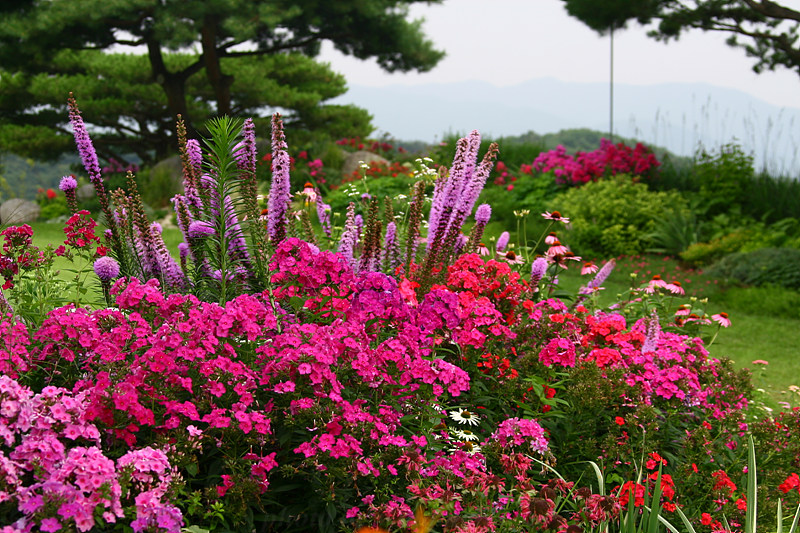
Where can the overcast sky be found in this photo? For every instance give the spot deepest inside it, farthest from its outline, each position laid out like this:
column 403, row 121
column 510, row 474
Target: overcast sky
column 506, row 42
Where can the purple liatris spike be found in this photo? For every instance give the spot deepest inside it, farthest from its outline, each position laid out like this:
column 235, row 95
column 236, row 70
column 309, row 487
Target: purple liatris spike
column 653, row 332
column 359, row 228
column 538, row 270
column 199, row 229
column 68, row 183
column 106, row 268
column 502, row 241
column 84, row 143
column 183, row 250
column 195, row 155
column 391, row 248
column 483, row 214
column 280, row 192
column 461, row 242
column 69, row 186
column 599, row 278
column 245, row 151
column 324, row 214
column 347, row 243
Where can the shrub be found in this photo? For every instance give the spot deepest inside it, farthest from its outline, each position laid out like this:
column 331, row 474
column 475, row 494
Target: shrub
column 706, row 253
column 724, row 177
column 767, row 266
column 615, row 216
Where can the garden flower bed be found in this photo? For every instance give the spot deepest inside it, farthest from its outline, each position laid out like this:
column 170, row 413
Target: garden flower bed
column 264, row 382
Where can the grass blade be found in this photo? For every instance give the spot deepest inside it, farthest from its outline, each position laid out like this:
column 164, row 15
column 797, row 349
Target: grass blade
column 685, row 520
column 752, row 484
column 796, row 518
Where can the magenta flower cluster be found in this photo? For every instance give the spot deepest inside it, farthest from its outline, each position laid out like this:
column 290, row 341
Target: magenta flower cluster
column 608, row 160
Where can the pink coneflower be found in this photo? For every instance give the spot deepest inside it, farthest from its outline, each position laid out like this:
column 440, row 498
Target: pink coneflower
column 656, row 282
column 512, row 258
column 675, row 288
column 556, row 249
column 683, row 310
column 310, row 192
column 483, row 249
column 722, row 319
column 589, row 268
column 551, row 238
column 760, row 362
column 555, row 216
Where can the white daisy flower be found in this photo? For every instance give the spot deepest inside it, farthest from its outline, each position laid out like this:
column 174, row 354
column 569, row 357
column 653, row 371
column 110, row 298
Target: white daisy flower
column 465, row 434
column 462, row 416
column 466, row 447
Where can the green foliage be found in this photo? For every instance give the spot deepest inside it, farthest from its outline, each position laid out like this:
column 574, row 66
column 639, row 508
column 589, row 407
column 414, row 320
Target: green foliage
column 769, row 29
column 532, row 193
column 745, row 236
column 766, row 266
column 514, row 151
column 53, row 209
column 23, row 177
column 247, row 56
column 613, row 217
column 724, row 177
column 705, row 253
column 291, row 81
column 612, row 14
column 675, row 231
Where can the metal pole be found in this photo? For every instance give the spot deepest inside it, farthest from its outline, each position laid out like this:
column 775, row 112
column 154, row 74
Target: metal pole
column 611, row 91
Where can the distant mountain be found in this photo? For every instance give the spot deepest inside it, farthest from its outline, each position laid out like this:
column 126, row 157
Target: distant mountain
column 677, row 116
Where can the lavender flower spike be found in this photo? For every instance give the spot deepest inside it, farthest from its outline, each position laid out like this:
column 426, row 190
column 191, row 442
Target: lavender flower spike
column 483, row 214
column 538, row 270
column 84, row 143
column 599, row 278
column 245, row 151
column 653, row 332
column 280, row 193
column 502, row 241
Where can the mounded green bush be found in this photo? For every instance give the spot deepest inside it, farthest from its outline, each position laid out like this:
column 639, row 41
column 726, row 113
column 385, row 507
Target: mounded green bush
column 615, row 216
column 767, row 266
column 706, row 253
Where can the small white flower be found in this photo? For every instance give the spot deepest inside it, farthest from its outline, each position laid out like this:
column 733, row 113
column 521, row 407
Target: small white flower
column 462, row 416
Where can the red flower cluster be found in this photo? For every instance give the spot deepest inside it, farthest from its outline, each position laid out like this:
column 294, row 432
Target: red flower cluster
column 18, row 252
column 791, row 483
column 502, row 365
column 80, row 231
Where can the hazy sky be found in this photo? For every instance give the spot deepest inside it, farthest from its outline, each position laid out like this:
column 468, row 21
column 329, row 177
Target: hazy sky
column 506, row 42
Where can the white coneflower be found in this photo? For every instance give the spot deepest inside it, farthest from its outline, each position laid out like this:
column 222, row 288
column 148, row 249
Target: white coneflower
column 465, row 434
column 462, row 416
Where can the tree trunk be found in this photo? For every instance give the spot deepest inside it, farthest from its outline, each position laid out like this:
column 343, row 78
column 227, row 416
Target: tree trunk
column 221, row 83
